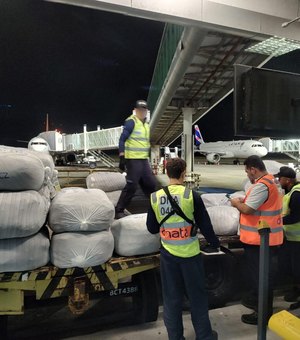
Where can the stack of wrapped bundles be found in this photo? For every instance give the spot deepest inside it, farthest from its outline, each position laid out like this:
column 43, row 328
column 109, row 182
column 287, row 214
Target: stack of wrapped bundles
column 224, row 218
column 132, row 236
column 80, row 220
column 24, row 205
column 112, row 183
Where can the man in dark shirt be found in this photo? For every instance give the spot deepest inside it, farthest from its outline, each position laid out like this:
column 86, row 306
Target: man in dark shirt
column 134, row 149
column 290, row 251
column 181, row 263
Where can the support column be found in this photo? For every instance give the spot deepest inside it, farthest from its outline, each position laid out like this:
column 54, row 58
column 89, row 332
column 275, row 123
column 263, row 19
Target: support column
column 188, row 143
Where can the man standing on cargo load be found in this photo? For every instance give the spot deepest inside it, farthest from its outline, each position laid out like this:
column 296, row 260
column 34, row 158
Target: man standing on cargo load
column 181, row 263
column 262, row 204
column 134, row 149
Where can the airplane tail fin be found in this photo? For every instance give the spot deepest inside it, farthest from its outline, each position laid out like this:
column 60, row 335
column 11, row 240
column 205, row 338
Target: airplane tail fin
column 198, row 137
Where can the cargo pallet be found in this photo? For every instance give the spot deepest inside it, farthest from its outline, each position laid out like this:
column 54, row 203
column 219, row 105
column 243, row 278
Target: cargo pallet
column 127, row 276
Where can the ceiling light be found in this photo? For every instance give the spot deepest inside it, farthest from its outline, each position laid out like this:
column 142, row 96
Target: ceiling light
column 275, row 46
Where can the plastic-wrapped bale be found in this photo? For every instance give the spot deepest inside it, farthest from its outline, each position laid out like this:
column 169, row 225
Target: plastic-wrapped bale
column 25, row 253
column 20, row 171
column 225, row 220
column 81, row 249
column 218, row 199
column 79, row 209
column 132, row 237
column 114, row 196
column 22, row 213
column 106, row 181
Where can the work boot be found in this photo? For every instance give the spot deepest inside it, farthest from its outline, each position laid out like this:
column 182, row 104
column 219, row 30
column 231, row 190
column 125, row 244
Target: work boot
column 121, row 214
column 214, row 335
column 292, row 295
column 251, row 319
column 250, row 302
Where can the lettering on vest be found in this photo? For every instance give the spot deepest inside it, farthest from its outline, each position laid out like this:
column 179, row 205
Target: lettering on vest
column 165, row 206
column 176, row 233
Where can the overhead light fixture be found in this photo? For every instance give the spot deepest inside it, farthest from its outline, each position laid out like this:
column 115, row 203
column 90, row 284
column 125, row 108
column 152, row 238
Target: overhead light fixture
column 287, row 23
column 275, row 46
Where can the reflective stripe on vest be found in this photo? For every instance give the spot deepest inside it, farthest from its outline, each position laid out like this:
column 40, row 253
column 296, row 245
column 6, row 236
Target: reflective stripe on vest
column 292, row 231
column 137, row 145
column 175, row 232
column 268, row 213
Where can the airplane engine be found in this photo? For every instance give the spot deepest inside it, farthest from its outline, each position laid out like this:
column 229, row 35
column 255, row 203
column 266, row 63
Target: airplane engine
column 213, row 157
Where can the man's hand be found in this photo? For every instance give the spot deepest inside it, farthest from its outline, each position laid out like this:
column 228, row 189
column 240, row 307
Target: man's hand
column 235, row 202
column 122, row 163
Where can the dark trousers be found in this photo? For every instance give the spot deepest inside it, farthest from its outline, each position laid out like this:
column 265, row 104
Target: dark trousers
column 138, row 172
column 251, row 256
column 181, row 276
column 289, row 260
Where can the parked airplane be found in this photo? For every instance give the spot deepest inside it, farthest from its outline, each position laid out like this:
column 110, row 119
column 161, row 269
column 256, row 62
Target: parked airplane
column 236, row 149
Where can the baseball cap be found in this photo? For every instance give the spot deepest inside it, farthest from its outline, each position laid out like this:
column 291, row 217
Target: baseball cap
column 141, row 104
column 287, row 172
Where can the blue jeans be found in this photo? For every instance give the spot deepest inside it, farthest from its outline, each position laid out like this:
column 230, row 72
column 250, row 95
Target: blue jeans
column 181, row 276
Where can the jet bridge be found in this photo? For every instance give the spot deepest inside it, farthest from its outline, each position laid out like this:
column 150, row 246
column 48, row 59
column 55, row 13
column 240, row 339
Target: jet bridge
column 202, row 41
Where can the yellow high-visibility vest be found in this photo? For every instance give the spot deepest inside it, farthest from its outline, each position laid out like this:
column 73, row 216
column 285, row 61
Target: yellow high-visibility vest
column 137, row 146
column 175, row 231
column 291, row 231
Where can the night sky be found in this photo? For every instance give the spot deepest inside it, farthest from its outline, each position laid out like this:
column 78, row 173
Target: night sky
column 83, row 66
column 78, row 65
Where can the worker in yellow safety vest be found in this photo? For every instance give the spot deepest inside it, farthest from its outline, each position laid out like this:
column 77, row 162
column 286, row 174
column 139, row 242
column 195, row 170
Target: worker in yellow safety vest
column 176, row 212
column 134, row 149
column 261, row 206
column 290, row 251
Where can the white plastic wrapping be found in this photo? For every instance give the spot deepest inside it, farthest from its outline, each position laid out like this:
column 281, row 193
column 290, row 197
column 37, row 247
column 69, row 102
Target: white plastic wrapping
column 20, row 171
column 224, row 219
column 79, row 209
column 22, row 213
column 215, row 199
column 26, row 253
column 81, row 249
column 106, row 181
column 114, row 196
column 132, row 237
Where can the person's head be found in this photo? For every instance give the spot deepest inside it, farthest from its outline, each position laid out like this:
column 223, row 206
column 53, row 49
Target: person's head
column 286, row 177
column 141, row 109
column 254, row 168
column 176, row 168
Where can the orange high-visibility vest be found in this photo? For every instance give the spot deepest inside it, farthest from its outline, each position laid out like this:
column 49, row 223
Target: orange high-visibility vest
column 269, row 213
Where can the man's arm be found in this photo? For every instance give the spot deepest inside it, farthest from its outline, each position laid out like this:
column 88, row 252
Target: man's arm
column 294, row 215
column 203, row 221
column 127, row 130
column 242, row 207
column 152, row 224
column 258, row 195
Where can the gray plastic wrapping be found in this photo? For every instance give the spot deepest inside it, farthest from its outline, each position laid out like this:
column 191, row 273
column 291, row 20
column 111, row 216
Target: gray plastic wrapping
column 224, row 219
column 22, row 213
column 81, row 249
column 114, row 196
column 20, row 171
column 26, row 253
column 106, row 181
column 79, row 209
column 132, row 236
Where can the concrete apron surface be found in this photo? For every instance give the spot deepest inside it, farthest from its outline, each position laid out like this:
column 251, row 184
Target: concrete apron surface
column 226, row 321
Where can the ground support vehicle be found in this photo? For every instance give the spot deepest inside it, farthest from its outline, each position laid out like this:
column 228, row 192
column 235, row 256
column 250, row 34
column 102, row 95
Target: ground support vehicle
column 127, row 276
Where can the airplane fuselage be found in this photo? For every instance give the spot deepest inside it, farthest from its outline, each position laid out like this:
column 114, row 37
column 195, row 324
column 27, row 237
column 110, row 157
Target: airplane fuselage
column 234, row 149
